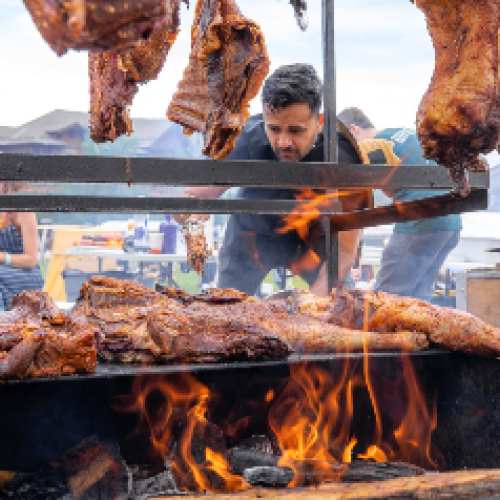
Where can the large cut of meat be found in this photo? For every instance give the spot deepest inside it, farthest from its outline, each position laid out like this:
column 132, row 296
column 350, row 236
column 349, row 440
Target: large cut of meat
column 114, row 78
column 38, row 340
column 96, row 25
column 382, row 312
column 140, row 325
column 227, row 65
column 458, row 117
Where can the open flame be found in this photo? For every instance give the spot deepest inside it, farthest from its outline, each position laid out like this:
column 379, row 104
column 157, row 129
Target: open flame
column 311, row 418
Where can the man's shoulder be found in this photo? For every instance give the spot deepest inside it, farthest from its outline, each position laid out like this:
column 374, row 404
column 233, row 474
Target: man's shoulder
column 398, row 135
column 252, row 143
column 254, row 131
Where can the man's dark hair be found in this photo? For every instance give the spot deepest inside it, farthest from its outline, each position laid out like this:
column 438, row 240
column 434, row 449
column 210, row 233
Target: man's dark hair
column 293, row 84
column 354, row 116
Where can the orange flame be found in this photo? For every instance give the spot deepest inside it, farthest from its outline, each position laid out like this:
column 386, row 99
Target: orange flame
column 186, row 400
column 311, row 417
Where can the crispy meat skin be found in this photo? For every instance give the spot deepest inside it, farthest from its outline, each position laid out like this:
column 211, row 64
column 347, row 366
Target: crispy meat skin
column 42, row 341
column 140, row 325
column 212, row 327
column 309, row 335
column 114, row 79
column 227, row 65
column 96, row 25
column 458, row 117
column 382, row 312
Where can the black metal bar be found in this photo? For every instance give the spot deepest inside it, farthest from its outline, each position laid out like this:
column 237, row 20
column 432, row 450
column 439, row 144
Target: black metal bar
column 329, row 84
column 111, row 370
column 426, row 208
column 175, row 172
column 330, row 130
column 413, row 210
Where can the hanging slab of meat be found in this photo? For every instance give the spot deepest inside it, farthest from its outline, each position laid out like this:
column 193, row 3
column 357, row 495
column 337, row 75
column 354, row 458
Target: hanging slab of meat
column 38, row 340
column 227, row 65
column 458, row 117
column 382, row 312
column 96, row 25
column 114, row 78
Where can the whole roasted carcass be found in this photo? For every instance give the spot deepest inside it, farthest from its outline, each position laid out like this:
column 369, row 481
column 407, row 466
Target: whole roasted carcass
column 382, row 312
column 139, row 325
column 114, row 78
column 97, row 25
column 459, row 115
column 227, row 65
column 38, row 340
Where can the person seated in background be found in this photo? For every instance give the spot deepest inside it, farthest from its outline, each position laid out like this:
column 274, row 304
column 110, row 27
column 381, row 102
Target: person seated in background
column 19, row 269
column 417, row 249
column 288, row 130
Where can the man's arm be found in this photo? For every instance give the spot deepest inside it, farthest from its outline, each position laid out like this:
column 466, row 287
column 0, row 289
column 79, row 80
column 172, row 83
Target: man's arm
column 348, row 246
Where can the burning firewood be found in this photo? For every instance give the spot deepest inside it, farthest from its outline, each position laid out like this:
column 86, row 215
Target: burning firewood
column 264, row 470
column 96, row 470
column 461, row 485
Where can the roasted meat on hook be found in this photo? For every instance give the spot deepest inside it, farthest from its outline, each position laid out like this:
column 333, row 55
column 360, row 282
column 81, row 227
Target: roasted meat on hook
column 227, row 65
column 96, row 25
column 458, row 117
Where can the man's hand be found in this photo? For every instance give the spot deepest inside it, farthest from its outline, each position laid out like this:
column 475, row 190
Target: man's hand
column 182, row 218
column 197, row 192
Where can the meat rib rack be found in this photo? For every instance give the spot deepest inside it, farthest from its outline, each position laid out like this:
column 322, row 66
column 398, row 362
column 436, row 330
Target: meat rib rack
column 330, row 174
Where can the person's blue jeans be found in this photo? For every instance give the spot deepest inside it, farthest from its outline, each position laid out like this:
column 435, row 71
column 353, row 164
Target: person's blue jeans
column 411, row 263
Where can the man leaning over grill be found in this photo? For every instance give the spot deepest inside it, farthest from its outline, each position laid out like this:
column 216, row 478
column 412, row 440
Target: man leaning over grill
column 416, row 250
column 288, row 130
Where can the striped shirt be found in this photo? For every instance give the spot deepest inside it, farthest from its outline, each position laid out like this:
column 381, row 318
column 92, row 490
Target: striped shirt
column 14, row 280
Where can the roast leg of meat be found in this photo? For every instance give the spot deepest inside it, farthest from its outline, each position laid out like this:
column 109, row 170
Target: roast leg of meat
column 13, row 364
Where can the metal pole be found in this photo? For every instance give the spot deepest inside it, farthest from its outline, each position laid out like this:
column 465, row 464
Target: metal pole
column 330, row 130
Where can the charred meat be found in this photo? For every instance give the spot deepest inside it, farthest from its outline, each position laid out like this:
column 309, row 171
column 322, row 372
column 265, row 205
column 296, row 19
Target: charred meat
column 97, row 25
column 227, row 65
column 459, row 115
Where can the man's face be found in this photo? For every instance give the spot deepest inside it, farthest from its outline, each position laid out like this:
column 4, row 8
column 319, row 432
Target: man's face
column 292, row 131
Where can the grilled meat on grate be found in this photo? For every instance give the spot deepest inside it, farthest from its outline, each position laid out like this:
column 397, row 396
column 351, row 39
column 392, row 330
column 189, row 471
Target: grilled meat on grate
column 382, row 312
column 38, row 340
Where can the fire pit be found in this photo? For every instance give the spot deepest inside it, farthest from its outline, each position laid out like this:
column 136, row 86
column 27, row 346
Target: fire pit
column 220, row 428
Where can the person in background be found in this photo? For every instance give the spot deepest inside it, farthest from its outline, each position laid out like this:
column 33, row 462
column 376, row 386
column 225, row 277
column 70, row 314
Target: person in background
column 416, row 250
column 19, row 269
column 287, row 131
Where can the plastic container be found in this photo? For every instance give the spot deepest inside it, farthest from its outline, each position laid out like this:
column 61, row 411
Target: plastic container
column 169, row 230
column 141, row 240
column 156, row 242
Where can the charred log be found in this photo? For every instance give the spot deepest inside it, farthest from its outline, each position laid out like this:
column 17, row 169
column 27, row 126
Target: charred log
column 96, row 470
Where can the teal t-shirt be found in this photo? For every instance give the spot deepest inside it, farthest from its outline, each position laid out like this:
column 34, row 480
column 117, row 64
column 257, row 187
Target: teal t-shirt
column 408, row 149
